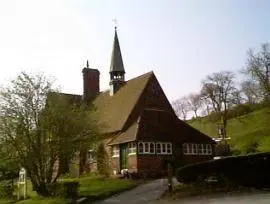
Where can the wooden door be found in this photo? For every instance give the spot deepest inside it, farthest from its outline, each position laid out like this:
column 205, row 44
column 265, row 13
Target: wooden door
column 123, row 156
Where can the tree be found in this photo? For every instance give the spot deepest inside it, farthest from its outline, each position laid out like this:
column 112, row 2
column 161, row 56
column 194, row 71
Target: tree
column 194, row 101
column 258, row 67
column 181, row 107
column 252, row 91
column 43, row 127
column 103, row 161
column 220, row 90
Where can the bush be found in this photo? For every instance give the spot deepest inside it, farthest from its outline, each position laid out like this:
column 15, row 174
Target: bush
column 6, row 189
column 64, row 189
column 251, row 170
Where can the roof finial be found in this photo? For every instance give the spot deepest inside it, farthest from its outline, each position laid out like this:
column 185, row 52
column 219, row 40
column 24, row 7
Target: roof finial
column 87, row 64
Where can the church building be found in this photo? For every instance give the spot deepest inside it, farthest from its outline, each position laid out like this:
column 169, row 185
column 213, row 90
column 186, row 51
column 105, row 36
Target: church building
column 142, row 130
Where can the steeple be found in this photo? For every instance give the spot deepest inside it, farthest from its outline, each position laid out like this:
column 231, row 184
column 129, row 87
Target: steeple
column 116, row 60
column 117, row 71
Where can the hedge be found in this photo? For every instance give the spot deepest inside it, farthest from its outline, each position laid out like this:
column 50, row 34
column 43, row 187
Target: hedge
column 64, row 189
column 6, row 189
column 250, row 170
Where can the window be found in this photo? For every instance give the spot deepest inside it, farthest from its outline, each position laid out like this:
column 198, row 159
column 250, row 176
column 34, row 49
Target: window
column 152, row 148
column 190, row 149
column 194, row 149
column 200, row 149
column 140, row 147
column 146, row 148
column 164, row 148
column 204, row 149
column 169, row 148
column 115, row 151
column 132, row 148
column 158, row 148
column 185, row 148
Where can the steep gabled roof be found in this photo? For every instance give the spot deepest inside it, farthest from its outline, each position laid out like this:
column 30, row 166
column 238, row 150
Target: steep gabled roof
column 162, row 125
column 113, row 111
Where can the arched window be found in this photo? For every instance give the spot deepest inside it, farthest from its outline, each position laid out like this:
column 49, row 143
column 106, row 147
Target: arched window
column 152, row 148
column 146, row 147
column 185, row 148
column 140, row 148
column 200, row 149
column 158, row 148
column 169, row 148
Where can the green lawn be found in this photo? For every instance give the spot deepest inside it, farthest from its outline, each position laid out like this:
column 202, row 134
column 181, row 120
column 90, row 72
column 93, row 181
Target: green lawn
column 93, row 187
column 244, row 131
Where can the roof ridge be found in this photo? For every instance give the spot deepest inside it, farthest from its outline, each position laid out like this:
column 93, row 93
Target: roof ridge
column 140, row 76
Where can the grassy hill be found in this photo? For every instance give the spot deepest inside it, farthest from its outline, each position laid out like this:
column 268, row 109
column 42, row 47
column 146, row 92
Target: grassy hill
column 248, row 133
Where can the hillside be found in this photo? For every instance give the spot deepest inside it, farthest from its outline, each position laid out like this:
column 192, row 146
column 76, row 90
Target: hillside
column 248, row 133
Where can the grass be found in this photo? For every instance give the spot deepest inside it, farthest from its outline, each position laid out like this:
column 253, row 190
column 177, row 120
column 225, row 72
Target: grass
column 244, row 131
column 98, row 187
column 92, row 187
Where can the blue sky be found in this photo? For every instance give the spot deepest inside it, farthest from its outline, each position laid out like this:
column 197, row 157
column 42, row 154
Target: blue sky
column 181, row 41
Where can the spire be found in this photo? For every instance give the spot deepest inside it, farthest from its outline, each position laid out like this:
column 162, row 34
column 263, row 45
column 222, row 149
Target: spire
column 116, row 60
column 87, row 64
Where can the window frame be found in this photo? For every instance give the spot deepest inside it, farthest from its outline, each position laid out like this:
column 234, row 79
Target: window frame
column 140, row 149
column 158, row 144
column 132, row 148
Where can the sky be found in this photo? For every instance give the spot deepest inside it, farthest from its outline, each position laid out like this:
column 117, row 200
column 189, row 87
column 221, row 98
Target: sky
column 181, row 41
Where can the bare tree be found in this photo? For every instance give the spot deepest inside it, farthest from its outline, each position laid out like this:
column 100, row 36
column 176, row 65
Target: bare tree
column 219, row 88
column 252, row 91
column 258, row 67
column 181, row 107
column 194, row 101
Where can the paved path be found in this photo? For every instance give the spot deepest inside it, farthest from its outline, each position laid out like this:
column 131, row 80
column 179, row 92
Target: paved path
column 262, row 198
column 150, row 192
column 145, row 193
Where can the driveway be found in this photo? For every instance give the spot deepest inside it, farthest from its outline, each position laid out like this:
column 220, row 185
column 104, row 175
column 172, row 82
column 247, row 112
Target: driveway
column 256, row 198
column 145, row 193
column 150, row 193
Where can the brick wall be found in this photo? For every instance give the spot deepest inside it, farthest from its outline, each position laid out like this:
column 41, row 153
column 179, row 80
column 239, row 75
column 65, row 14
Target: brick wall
column 132, row 163
column 152, row 165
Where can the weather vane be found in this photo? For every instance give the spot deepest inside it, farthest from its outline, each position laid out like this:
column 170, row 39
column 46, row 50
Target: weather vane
column 115, row 23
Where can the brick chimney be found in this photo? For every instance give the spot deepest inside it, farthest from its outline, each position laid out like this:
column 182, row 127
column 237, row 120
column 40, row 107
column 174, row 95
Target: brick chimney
column 90, row 83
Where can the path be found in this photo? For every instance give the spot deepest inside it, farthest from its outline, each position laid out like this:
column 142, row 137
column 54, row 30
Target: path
column 141, row 194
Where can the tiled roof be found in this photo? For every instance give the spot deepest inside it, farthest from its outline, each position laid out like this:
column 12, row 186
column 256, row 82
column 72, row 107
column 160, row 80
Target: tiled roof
column 113, row 111
column 128, row 136
column 161, row 125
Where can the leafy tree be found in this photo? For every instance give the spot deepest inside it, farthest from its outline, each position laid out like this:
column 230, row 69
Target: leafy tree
column 44, row 128
column 258, row 67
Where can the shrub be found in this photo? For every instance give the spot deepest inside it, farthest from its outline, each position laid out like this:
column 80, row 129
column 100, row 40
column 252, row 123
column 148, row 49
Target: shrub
column 64, row 189
column 6, row 189
column 251, row 170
